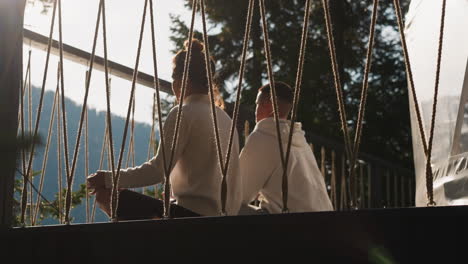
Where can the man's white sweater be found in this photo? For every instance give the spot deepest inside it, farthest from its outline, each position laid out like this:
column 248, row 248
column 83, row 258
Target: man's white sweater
column 262, row 172
column 195, row 174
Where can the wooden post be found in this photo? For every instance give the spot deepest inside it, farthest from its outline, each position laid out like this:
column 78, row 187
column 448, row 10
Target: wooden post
column 322, row 163
column 388, row 192
column 369, row 187
column 246, row 130
column 395, row 190
column 410, row 193
column 376, row 186
column 361, row 186
column 11, row 74
column 333, row 181
column 343, row 191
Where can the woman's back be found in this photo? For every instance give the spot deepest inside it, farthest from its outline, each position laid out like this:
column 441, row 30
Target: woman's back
column 196, row 175
column 195, row 172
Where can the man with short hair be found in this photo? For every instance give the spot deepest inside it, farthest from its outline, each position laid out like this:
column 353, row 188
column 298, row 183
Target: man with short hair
column 261, row 167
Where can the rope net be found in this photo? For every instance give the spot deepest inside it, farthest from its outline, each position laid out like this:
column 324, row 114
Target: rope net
column 347, row 186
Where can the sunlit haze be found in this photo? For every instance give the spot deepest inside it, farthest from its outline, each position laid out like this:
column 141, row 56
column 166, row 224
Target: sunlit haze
column 123, row 24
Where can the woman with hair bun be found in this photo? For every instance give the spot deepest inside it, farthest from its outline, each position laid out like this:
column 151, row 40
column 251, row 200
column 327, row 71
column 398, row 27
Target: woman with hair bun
column 195, row 174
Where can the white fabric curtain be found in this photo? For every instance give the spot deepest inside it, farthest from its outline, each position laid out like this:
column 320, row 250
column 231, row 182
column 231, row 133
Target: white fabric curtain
column 450, row 146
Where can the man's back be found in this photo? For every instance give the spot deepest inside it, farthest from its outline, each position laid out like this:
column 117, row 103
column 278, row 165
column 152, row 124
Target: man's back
column 262, row 171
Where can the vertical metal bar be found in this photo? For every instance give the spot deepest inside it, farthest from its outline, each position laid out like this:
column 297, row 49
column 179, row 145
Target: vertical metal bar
column 395, row 189
column 376, row 186
column 333, row 180
column 322, row 163
column 59, row 159
column 343, row 198
column 402, row 191
column 388, row 190
column 369, row 186
column 410, row 192
column 361, row 186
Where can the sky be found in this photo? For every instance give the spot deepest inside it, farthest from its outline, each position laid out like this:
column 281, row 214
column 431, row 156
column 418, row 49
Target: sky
column 123, row 25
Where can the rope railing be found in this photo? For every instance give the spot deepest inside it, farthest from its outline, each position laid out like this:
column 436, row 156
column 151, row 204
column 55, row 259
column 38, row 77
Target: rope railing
column 336, row 77
column 21, row 111
column 86, row 157
column 64, row 121
column 271, row 79
column 348, row 190
column 115, row 180
column 130, row 159
column 409, row 72
column 235, row 116
column 352, row 150
column 429, row 174
column 213, row 110
column 46, row 151
column 427, row 145
column 59, row 161
column 151, row 137
column 38, row 118
column 362, row 102
column 188, row 54
column 224, row 165
column 59, row 213
column 83, row 115
column 156, row 97
column 21, row 117
column 30, row 119
column 108, row 113
column 297, row 94
column 105, row 145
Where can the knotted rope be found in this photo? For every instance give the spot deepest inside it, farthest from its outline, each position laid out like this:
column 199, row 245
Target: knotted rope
column 427, row 147
column 352, row 151
column 115, row 180
column 224, row 165
column 46, row 151
column 167, row 187
column 429, row 174
column 38, row 117
column 297, row 94
column 271, row 79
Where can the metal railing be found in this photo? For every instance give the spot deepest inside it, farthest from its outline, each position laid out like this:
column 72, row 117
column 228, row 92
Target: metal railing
column 379, row 183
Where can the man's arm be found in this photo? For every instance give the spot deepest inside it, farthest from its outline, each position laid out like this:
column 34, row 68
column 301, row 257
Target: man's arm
column 256, row 166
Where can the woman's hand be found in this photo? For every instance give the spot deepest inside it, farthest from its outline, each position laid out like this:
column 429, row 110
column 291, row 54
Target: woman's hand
column 96, row 181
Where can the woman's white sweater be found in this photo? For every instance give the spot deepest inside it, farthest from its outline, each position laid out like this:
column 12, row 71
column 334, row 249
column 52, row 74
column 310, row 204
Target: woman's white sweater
column 195, row 175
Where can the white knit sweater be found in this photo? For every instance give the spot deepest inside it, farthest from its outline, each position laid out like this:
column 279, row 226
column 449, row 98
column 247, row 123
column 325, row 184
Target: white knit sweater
column 262, row 172
column 195, row 175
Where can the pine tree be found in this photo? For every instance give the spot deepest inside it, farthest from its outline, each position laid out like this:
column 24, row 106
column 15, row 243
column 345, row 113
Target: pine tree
column 387, row 99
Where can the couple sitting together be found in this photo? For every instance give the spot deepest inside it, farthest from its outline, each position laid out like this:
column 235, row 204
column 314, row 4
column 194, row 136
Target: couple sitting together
column 195, row 175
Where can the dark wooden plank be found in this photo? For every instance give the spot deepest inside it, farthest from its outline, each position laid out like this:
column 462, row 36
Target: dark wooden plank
column 404, row 235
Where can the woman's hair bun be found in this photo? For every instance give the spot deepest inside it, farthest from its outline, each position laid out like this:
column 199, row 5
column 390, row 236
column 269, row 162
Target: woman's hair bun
column 197, row 46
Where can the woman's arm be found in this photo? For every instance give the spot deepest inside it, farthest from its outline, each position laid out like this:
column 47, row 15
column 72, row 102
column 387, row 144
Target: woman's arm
column 152, row 171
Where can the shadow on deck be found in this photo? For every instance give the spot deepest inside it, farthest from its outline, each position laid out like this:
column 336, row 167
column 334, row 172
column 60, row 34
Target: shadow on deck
column 406, row 235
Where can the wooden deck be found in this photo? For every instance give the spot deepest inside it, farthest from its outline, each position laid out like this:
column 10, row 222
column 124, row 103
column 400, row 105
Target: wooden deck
column 407, row 235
